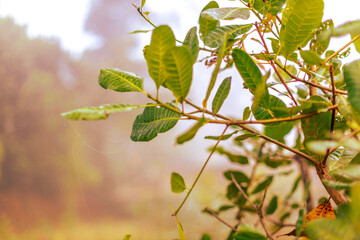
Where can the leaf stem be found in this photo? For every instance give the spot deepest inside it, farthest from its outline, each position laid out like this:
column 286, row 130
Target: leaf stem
column 201, row 171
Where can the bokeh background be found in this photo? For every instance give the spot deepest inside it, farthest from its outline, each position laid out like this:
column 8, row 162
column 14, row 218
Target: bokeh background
column 87, row 180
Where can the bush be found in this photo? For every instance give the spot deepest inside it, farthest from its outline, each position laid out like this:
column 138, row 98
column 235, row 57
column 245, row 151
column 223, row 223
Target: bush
column 298, row 85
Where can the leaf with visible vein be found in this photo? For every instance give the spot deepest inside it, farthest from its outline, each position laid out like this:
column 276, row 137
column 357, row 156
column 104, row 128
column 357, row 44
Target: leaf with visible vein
column 300, row 19
column 221, row 95
column 100, row 112
column 177, row 183
column 275, row 6
column 215, row 37
column 152, row 121
column 121, row 81
column 191, row 41
column 178, row 71
column 205, row 24
column 228, row 13
column 162, row 40
column 247, row 69
column 352, row 80
column 317, row 44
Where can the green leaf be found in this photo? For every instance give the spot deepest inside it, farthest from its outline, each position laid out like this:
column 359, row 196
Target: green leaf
column 261, row 186
column 337, row 185
column 214, row 38
column 344, row 107
column 240, row 177
column 205, row 24
column 221, row 95
column 245, row 136
column 340, row 158
column 140, row 31
column 300, row 222
column 177, row 183
column 276, row 163
column 356, row 43
column 180, row 228
column 320, row 146
column 270, row 107
column 317, row 45
column 247, row 232
column 178, row 71
column 316, row 127
column 101, row 112
column 352, row 171
column 275, row 6
column 352, row 80
column 162, row 40
column 190, row 134
column 246, row 113
column 121, row 81
column 205, row 237
column 223, row 137
column 352, row 27
column 221, row 53
column 293, row 189
column 300, row 19
column 272, row 205
column 228, row 13
column 279, row 131
column 152, row 121
column 192, row 43
column 247, row 69
column 142, row 3
column 311, row 58
column 232, row 157
column 127, row 237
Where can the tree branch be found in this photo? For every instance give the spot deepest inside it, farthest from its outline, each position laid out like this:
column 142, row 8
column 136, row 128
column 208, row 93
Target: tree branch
column 257, row 209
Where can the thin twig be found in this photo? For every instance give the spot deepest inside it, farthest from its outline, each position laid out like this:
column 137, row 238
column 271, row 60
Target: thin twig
column 273, row 66
column 306, row 82
column 331, row 70
column 201, row 171
column 341, row 49
column 221, row 220
column 256, row 208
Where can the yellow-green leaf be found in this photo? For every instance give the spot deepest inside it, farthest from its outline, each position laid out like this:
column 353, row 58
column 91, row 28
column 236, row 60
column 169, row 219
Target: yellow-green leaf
column 97, row 113
column 121, row 81
column 300, row 19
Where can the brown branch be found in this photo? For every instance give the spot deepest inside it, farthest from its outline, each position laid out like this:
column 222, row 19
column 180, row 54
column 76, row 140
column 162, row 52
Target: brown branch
column 221, row 220
column 308, row 82
column 256, row 208
column 273, row 66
